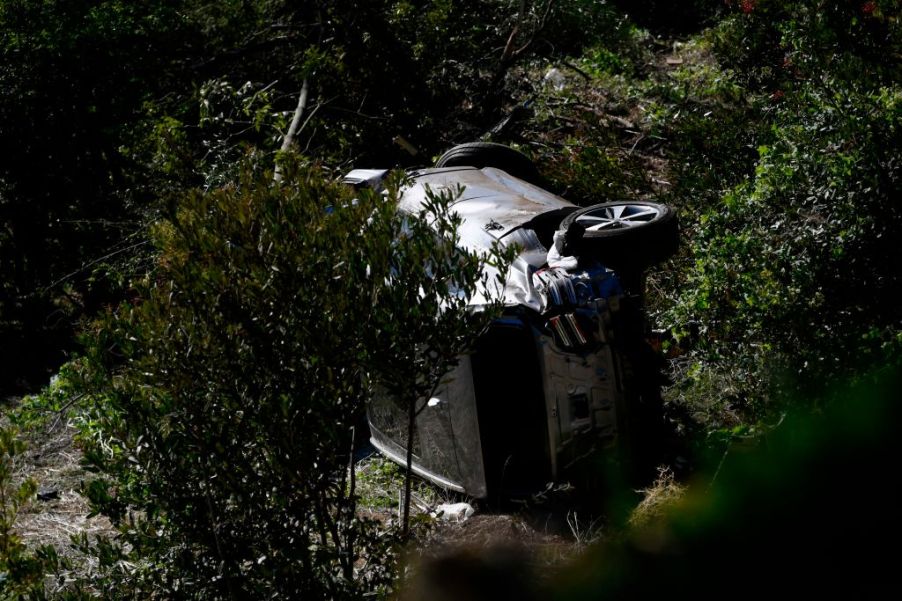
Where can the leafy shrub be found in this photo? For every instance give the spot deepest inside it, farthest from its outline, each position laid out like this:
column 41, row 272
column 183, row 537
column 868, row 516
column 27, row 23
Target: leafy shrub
column 777, row 45
column 788, row 281
column 792, row 271
column 226, row 392
column 712, row 124
column 591, row 174
column 65, row 184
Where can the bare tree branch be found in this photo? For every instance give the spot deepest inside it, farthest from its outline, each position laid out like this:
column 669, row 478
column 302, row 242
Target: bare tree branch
column 296, row 120
column 510, row 54
column 295, row 123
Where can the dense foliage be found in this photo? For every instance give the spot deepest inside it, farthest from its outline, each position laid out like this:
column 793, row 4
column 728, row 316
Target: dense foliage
column 242, row 321
column 794, row 279
column 228, row 390
column 107, row 106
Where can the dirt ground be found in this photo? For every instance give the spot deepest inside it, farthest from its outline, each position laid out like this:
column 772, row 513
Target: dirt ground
column 59, row 512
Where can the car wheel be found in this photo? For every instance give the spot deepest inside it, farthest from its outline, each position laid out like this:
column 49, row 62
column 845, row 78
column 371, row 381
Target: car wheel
column 623, row 233
column 489, row 154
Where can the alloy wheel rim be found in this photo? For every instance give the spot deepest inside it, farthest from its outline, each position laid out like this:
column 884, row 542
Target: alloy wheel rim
column 620, row 216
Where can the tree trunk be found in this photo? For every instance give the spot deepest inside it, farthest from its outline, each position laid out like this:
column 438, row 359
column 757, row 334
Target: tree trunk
column 293, row 128
column 408, row 473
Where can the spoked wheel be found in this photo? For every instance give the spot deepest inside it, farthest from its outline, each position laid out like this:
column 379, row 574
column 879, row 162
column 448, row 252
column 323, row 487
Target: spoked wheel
column 633, row 233
column 619, row 216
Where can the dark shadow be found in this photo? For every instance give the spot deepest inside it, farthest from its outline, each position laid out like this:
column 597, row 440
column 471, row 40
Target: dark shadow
column 672, row 17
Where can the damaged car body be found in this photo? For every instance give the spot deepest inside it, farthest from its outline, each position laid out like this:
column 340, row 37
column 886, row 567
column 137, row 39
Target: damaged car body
column 559, row 377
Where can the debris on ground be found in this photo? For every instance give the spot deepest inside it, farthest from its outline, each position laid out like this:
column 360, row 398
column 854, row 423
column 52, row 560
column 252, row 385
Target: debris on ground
column 456, row 512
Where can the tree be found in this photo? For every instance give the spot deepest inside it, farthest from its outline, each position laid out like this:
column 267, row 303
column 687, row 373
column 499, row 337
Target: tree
column 423, row 318
column 227, row 391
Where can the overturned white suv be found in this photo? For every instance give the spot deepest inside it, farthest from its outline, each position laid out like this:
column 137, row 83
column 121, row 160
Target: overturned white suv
column 565, row 375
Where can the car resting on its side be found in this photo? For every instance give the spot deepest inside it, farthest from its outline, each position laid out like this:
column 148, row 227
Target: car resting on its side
column 564, row 373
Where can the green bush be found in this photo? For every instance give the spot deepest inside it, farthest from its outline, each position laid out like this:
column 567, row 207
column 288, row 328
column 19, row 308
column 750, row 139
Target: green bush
column 779, row 45
column 792, row 274
column 226, row 393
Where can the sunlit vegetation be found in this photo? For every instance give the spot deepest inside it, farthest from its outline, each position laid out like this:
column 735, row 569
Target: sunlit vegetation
column 223, row 326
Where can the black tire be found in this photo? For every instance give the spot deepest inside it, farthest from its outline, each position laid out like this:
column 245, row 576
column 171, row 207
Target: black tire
column 627, row 233
column 489, row 154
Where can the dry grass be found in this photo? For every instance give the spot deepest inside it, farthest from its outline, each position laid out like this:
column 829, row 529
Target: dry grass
column 489, row 530
column 380, row 484
column 55, row 522
column 659, row 497
column 53, row 461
